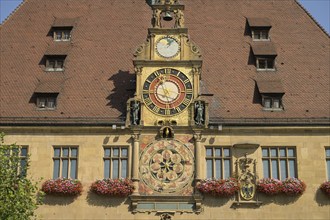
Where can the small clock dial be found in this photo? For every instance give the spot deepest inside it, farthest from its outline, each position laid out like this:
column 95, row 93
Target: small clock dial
column 167, row 92
column 167, row 47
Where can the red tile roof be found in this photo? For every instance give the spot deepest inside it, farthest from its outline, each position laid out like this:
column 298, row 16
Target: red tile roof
column 259, row 22
column 270, row 86
column 50, row 83
column 64, row 22
column 263, row 48
column 99, row 75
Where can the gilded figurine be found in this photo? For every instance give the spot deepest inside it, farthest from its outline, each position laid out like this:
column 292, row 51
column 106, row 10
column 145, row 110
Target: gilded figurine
column 179, row 19
column 156, row 19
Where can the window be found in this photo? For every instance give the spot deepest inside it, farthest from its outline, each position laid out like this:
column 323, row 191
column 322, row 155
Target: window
column 46, row 100
column 279, row 162
column 218, row 162
column 23, row 154
column 55, row 63
column 115, row 162
column 65, row 162
column 265, row 63
column 327, row 158
column 20, row 153
column 260, row 35
column 271, row 102
column 62, row 34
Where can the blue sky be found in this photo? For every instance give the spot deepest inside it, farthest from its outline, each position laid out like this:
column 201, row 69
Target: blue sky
column 320, row 9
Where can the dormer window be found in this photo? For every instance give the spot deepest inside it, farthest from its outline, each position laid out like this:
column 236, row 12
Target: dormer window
column 264, row 54
column 55, row 63
column 265, row 63
column 260, row 28
column 62, row 34
column 271, row 92
column 46, row 101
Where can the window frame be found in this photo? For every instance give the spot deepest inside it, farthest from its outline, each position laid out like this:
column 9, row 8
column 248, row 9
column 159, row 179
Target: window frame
column 46, row 98
column 267, row 60
column 69, row 158
column 260, row 32
column 222, row 159
column 62, row 31
column 56, row 59
column 327, row 161
column 272, row 99
column 120, row 158
column 278, row 158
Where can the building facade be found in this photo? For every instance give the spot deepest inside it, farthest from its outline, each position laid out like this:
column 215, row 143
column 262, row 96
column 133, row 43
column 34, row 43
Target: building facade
column 168, row 94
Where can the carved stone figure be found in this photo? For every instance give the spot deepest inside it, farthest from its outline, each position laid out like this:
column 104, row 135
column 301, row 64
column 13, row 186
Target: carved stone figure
column 179, row 19
column 156, row 19
column 135, row 111
column 247, row 179
column 199, row 113
column 165, row 216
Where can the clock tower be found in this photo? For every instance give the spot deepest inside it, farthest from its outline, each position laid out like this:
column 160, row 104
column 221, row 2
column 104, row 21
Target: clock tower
column 166, row 115
column 168, row 69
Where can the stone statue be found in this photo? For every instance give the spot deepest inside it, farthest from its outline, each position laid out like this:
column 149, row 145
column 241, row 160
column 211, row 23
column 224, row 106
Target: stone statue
column 199, row 113
column 156, row 19
column 179, row 19
column 135, row 111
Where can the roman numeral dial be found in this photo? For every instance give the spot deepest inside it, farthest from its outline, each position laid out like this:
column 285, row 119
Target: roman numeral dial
column 167, row 92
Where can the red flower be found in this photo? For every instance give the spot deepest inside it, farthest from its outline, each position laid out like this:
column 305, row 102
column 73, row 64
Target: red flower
column 269, row 186
column 226, row 187
column 113, row 187
column 62, row 186
column 325, row 187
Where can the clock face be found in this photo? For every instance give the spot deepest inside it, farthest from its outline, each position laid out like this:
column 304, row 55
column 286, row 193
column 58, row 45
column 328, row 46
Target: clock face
column 167, row 47
column 167, row 92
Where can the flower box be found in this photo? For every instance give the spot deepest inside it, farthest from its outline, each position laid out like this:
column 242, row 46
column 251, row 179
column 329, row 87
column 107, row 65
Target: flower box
column 62, row 186
column 221, row 187
column 325, row 187
column 113, row 187
column 293, row 186
column 289, row 186
column 269, row 186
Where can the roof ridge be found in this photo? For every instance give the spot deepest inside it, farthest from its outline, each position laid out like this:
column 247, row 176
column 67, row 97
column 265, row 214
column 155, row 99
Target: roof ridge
column 13, row 12
column 311, row 16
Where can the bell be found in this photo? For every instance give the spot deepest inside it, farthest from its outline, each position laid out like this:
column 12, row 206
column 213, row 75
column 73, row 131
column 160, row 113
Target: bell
column 168, row 16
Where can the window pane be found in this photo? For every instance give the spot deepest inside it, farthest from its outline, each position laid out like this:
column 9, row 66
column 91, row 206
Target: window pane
column 274, row 169
column 218, row 152
column 115, row 152
column 57, row 152
column 107, row 152
column 74, row 152
column 291, row 152
column 209, row 169
column 124, row 168
column 23, row 167
column 262, row 64
column 58, row 35
column 51, row 63
column 292, row 168
column 23, row 151
column 265, row 152
column 283, row 170
column 56, row 173
column 327, row 152
column 66, row 35
column 282, row 152
column 328, row 169
column 276, row 103
column 51, row 102
column 115, row 168
column 59, row 64
column 209, row 152
column 265, row 164
column 270, row 63
column 65, row 152
column 65, row 168
column 218, row 169
column 124, row 152
column 73, row 169
column 267, row 103
column 226, row 152
column 227, row 169
column 106, row 169
column 273, row 152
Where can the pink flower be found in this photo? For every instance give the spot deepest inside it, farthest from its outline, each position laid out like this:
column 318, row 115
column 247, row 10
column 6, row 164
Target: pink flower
column 220, row 187
column 113, row 187
column 325, row 187
column 62, row 186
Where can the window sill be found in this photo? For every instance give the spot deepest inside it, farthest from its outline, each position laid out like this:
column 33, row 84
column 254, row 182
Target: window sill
column 54, row 70
column 45, row 109
column 66, row 40
column 261, row 39
column 266, row 70
column 272, row 109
